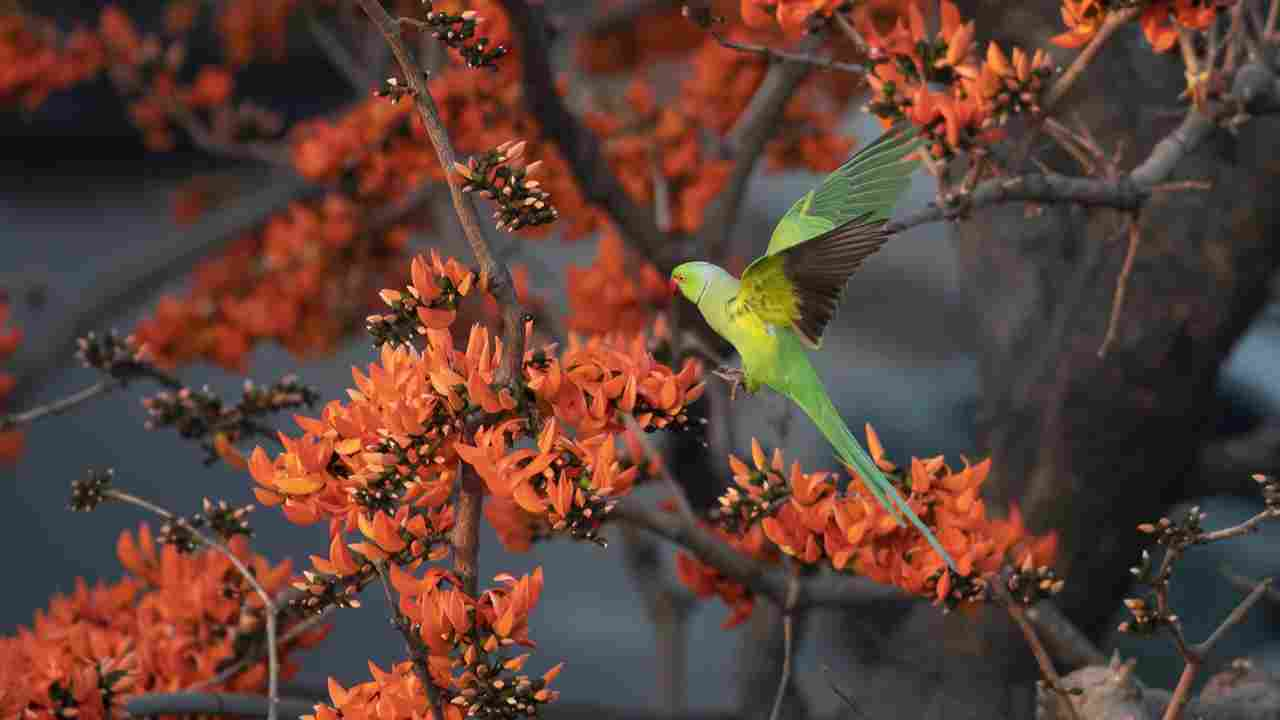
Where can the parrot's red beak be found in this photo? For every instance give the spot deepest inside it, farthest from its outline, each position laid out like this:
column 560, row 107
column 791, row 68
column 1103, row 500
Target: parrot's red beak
column 672, row 286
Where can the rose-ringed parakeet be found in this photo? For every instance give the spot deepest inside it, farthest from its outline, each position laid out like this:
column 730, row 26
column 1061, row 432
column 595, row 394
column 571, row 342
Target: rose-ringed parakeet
column 784, row 300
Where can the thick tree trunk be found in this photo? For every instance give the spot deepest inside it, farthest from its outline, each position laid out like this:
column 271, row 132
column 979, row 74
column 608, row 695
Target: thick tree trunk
column 1092, row 446
column 1085, row 445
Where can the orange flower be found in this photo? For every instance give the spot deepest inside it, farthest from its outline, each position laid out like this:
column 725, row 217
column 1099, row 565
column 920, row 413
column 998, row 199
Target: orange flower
column 1083, row 19
column 808, row 518
column 174, row 621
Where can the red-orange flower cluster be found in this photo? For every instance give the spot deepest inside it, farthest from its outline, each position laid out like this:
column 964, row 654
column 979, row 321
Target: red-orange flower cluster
column 305, row 279
column 11, row 441
column 809, row 517
column 171, row 623
column 616, row 292
column 1159, row 19
column 463, row 636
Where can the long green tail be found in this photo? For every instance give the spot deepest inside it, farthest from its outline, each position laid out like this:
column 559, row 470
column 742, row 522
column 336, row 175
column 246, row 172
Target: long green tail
column 813, row 399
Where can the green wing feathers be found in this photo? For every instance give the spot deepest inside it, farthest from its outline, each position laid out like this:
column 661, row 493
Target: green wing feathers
column 869, row 182
column 802, row 285
column 813, row 399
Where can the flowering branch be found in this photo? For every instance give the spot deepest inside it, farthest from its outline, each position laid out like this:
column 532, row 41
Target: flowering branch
column 412, row 643
column 87, row 494
column 499, row 284
column 831, row 592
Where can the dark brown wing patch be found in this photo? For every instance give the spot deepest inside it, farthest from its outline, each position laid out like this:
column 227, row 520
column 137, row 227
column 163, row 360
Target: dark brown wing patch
column 819, row 269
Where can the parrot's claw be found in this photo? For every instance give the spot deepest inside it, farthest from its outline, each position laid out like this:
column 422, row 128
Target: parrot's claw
column 734, row 376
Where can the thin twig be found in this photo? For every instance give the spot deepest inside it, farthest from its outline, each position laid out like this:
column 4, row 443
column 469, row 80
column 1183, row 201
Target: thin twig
column 1047, row 669
column 1122, row 287
column 269, row 606
column 1196, row 655
column 788, row 641
column 59, row 406
column 792, row 57
column 1058, row 90
column 835, row 688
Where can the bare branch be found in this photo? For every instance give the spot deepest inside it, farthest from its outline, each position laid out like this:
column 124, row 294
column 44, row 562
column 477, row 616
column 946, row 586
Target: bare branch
column 197, row 704
column 827, row 592
column 256, row 653
column 1122, row 285
column 788, row 642
column 268, row 605
column 790, row 57
column 579, row 145
column 1047, row 669
column 59, row 406
column 758, row 122
column 1062, row 637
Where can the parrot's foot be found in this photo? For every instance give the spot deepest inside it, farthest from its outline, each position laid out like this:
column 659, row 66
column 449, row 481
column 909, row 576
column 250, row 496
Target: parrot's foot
column 735, row 377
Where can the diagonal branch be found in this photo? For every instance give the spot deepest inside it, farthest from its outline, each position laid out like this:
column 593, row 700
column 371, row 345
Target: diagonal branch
column 499, row 284
column 579, row 145
column 757, row 124
column 827, row 592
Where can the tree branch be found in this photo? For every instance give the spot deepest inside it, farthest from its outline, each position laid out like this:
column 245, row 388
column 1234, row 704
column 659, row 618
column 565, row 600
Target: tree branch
column 788, row 642
column 1255, row 86
column 758, row 122
column 195, row 704
column 833, row 591
column 268, row 605
column 579, row 145
column 499, row 284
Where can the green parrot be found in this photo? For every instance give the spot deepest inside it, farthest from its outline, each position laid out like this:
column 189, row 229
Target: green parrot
column 785, row 299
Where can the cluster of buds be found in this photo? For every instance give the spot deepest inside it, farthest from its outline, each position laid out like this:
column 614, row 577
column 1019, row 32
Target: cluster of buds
column 225, row 520
column 766, row 491
column 287, row 393
column 201, row 414
column 119, row 357
column 1146, row 619
column 457, row 32
column 1270, row 488
column 429, row 302
column 521, row 200
column 1176, row 534
column 1029, row 584
column 492, row 691
column 958, row 590
column 89, row 492
column 1014, row 85
column 320, row 592
column 395, row 90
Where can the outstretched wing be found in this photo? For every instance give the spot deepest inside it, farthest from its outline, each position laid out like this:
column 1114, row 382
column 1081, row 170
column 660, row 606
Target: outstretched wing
column 868, row 184
column 801, row 285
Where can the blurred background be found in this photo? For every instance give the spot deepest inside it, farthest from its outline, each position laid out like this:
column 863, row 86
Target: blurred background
column 89, row 240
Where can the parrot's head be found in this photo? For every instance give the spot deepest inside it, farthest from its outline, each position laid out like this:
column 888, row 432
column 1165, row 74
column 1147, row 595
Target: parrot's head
column 691, row 279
